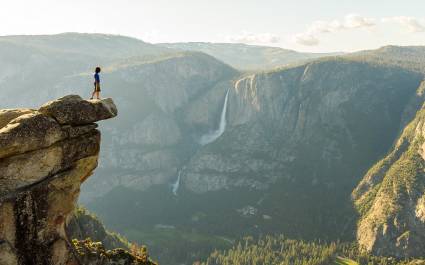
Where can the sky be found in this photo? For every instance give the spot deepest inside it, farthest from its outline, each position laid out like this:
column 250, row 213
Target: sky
column 303, row 25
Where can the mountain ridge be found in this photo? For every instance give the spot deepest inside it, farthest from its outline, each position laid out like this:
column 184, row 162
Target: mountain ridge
column 248, row 57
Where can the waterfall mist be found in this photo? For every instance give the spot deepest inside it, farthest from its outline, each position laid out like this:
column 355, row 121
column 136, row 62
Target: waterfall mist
column 212, row 136
column 175, row 186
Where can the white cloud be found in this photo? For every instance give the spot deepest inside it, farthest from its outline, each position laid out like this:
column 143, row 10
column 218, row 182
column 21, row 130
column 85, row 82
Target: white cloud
column 412, row 24
column 249, row 37
column 352, row 21
column 325, row 26
column 306, row 39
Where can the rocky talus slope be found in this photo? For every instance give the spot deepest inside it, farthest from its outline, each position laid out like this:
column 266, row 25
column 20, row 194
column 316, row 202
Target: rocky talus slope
column 45, row 155
column 391, row 197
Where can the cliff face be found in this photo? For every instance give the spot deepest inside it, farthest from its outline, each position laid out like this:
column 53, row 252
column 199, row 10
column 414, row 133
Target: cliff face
column 391, row 198
column 45, row 155
column 302, row 138
column 321, row 123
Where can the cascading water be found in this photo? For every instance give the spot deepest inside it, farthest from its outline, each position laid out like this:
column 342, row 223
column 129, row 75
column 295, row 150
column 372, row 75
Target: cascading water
column 206, row 139
column 212, row 136
column 175, row 186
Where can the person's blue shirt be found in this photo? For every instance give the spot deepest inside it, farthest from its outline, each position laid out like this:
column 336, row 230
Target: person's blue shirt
column 96, row 77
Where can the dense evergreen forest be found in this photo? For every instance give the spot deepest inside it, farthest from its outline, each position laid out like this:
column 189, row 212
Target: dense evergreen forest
column 279, row 250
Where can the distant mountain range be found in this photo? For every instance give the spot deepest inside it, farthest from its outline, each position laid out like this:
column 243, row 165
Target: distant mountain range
column 102, row 46
column 248, row 57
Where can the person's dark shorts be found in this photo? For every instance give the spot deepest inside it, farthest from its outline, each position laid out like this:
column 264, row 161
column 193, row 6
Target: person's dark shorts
column 96, row 87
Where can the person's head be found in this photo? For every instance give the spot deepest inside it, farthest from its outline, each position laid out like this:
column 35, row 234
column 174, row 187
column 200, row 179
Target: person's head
column 97, row 70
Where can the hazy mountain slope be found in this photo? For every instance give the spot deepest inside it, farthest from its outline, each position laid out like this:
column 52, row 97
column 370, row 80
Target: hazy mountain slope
column 411, row 57
column 27, row 72
column 391, row 197
column 97, row 45
column 32, row 66
column 248, row 57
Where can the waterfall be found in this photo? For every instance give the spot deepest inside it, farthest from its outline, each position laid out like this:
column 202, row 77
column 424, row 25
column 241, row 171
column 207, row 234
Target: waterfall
column 212, row 136
column 175, row 186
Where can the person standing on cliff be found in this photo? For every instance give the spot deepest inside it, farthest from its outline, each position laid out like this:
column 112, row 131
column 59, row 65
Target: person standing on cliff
column 96, row 83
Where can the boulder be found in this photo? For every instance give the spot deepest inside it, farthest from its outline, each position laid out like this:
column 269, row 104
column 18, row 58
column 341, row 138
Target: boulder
column 74, row 110
column 45, row 156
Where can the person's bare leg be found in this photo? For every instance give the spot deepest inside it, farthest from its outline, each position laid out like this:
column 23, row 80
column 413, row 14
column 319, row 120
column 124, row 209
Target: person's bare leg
column 98, row 95
column 92, row 94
